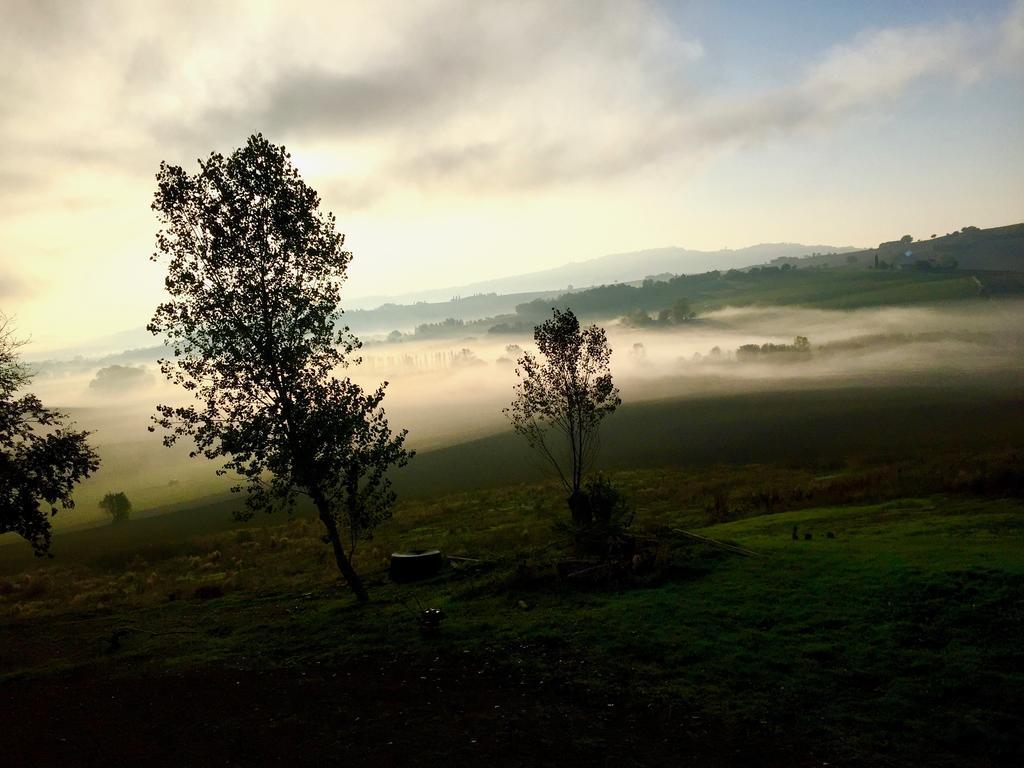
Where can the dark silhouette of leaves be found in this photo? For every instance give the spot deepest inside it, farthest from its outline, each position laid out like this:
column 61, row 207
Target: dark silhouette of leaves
column 563, row 395
column 117, row 506
column 42, row 457
column 254, row 273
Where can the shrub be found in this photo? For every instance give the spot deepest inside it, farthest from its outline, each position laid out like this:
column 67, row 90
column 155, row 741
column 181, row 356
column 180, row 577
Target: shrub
column 34, row 586
column 611, row 511
column 765, row 500
column 610, row 516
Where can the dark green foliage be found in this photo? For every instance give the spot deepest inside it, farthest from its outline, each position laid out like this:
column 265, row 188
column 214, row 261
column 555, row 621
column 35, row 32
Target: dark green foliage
column 800, row 349
column 445, row 327
column 680, row 313
column 610, row 514
column 601, row 517
column 117, row 506
column 608, row 505
column 561, row 399
column 254, row 273
column 604, row 301
column 42, row 457
column 638, row 318
column 509, row 328
column 826, row 288
column 119, row 378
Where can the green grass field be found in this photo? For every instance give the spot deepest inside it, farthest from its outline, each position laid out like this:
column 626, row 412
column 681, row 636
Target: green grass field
column 895, row 642
column 839, row 289
column 789, row 432
column 891, row 637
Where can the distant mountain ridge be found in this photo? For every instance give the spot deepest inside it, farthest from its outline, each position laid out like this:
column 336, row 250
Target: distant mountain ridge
column 613, row 268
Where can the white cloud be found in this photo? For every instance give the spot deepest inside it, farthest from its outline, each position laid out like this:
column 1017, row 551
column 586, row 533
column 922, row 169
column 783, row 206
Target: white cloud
column 1010, row 52
column 125, row 84
column 873, row 71
column 443, row 94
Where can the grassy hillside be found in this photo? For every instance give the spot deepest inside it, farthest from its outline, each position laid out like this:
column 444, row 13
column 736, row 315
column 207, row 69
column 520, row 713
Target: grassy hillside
column 822, row 288
column 887, row 632
column 963, row 265
column 817, row 428
column 884, row 423
column 891, row 636
column 998, row 249
column 613, row 268
column 896, row 641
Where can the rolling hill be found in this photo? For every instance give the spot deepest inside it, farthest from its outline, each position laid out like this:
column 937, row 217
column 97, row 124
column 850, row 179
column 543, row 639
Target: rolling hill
column 999, row 249
column 613, row 268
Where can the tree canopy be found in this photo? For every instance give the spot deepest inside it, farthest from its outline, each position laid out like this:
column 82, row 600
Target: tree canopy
column 682, row 311
column 254, row 275
column 561, row 398
column 42, row 457
column 117, row 506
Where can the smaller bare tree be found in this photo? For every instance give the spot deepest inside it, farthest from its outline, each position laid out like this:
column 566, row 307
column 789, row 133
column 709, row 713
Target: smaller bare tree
column 561, row 398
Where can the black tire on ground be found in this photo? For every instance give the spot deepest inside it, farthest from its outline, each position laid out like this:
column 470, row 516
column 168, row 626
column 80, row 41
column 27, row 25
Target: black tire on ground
column 413, row 566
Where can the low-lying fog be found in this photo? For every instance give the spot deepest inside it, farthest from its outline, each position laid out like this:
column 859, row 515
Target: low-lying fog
column 446, row 391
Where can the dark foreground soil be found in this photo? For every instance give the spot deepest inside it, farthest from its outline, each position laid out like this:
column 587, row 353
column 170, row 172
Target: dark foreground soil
column 450, row 711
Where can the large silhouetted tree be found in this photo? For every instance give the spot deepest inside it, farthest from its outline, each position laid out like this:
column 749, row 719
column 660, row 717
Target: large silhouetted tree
column 41, row 457
column 561, row 398
column 254, row 273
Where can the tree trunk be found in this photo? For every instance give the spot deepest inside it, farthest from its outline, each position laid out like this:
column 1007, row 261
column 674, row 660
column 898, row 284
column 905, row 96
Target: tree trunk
column 344, row 564
column 579, row 506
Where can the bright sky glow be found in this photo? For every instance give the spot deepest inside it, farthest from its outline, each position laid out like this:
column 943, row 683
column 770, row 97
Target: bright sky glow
column 457, row 141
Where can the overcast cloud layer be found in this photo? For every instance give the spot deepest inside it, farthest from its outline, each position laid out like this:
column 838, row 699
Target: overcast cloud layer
column 464, row 140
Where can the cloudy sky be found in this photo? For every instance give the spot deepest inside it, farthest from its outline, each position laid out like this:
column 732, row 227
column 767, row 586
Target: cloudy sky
column 457, row 141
